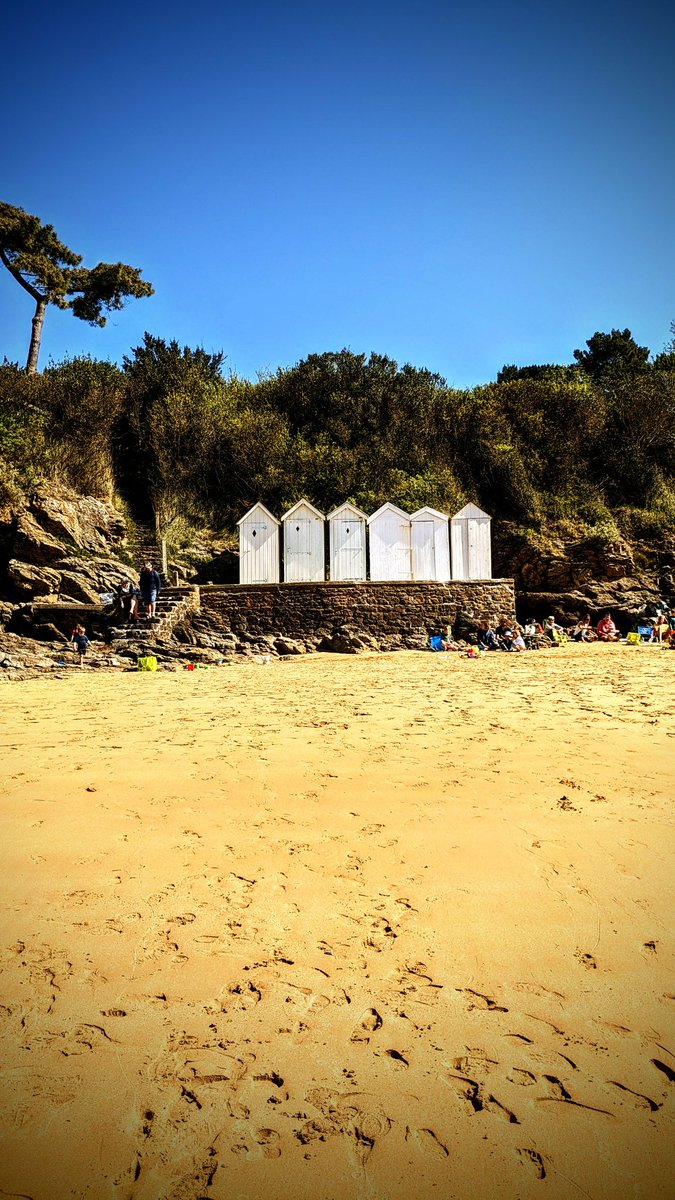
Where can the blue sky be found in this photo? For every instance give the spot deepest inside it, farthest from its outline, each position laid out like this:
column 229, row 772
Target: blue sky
column 455, row 186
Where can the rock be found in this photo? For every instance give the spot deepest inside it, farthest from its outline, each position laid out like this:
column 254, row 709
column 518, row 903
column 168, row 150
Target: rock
column 8, row 662
column 49, row 633
column 289, row 646
column 33, row 545
column 100, row 574
column 90, row 523
column 31, row 580
column 74, row 587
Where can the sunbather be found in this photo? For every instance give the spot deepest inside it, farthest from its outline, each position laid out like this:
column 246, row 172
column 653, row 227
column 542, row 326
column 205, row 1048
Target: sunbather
column 607, row 630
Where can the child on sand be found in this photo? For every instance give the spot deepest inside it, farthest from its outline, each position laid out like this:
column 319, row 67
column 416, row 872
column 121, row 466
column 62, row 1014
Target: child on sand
column 80, row 642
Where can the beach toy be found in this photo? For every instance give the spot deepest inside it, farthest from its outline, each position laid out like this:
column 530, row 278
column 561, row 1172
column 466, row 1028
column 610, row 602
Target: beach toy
column 149, row 663
column 190, row 667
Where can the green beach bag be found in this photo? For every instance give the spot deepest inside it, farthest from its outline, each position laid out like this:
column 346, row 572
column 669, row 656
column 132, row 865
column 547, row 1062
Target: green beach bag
column 147, row 664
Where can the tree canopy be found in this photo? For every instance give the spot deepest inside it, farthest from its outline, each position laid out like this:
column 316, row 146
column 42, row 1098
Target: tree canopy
column 51, row 273
column 613, row 354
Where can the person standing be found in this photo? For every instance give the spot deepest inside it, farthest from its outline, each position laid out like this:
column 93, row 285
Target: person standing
column 80, row 642
column 150, row 585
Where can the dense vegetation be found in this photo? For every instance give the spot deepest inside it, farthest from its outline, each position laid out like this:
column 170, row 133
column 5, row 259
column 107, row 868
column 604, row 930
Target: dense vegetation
column 588, row 444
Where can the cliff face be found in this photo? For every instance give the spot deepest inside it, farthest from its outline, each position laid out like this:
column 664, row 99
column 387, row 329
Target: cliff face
column 569, row 576
column 61, row 546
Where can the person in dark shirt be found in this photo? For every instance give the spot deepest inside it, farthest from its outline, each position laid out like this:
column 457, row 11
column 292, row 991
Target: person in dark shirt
column 80, row 642
column 128, row 597
column 150, row 585
column 486, row 636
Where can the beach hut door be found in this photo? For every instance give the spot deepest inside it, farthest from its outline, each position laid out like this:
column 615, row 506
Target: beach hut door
column 479, row 566
column 256, row 552
column 298, row 548
column 349, row 541
column 402, row 552
column 424, row 550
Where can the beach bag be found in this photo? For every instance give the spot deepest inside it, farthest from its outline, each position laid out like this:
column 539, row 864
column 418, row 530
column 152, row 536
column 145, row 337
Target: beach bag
column 436, row 643
column 147, row 664
column 633, row 639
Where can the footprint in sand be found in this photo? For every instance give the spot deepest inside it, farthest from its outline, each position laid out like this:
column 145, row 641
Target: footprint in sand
column 522, row 1077
column 479, row 1000
column 586, row 960
column 429, row 1142
column 370, row 1022
column 240, row 996
column 268, row 1140
column 382, row 936
column 477, row 1098
column 639, row 1099
column 534, row 1158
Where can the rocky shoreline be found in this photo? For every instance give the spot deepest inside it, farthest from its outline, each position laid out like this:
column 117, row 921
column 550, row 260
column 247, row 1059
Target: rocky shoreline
column 61, row 554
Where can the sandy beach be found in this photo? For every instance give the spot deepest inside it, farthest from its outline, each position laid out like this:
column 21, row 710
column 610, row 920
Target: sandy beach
column 341, row 927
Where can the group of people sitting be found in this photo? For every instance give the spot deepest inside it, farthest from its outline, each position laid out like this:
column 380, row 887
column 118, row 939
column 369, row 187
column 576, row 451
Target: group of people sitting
column 130, row 596
column 506, row 634
column 509, row 635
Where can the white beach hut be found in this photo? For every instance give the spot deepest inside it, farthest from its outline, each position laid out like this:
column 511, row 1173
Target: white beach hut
column 347, row 539
column 304, row 544
column 471, row 544
column 430, row 545
column 390, row 543
column 258, row 546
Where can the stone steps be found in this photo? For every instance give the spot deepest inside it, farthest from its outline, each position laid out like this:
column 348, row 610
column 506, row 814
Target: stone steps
column 173, row 605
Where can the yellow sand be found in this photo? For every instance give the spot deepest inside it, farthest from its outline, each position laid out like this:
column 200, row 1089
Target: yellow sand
column 382, row 927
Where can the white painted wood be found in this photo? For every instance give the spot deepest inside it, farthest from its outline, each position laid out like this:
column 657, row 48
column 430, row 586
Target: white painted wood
column 471, row 543
column 258, row 546
column 304, row 544
column 430, row 545
column 347, row 539
column 389, row 531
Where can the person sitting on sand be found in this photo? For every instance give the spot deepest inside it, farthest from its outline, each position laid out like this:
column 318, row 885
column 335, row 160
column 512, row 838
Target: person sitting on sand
column 448, row 641
column 503, row 631
column 553, row 631
column 487, row 637
column 80, row 642
column 607, row 630
column 661, row 628
column 583, row 630
column 517, row 639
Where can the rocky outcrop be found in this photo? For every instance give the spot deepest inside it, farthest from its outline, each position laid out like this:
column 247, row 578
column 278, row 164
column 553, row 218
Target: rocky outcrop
column 567, row 577
column 61, row 546
column 92, row 524
column 28, row 580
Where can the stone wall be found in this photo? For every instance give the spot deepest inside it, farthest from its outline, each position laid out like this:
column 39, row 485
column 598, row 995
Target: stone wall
column 314, row 610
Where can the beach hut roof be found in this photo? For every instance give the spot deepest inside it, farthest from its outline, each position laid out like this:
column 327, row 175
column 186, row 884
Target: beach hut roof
column 388, row 507
column 429, row 512
column 302, row 504
column 471, row 510
column 257, row 508
column 347, row 507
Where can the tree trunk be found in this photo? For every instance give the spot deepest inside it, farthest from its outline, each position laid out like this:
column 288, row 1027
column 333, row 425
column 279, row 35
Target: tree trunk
column 36, row 336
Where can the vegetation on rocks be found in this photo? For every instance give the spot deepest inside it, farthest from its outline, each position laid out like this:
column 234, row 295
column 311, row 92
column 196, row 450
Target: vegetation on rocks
column 579, row 455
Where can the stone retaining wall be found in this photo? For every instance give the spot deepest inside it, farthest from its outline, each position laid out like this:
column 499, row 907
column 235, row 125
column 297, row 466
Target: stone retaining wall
column 301, row 610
